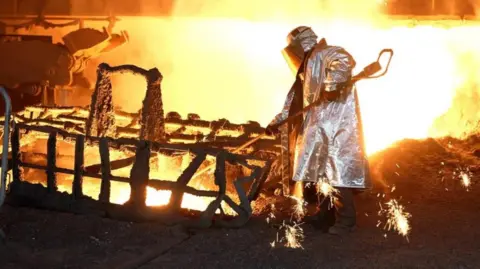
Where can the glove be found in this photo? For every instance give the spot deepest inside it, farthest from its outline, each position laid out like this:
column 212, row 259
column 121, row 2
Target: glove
column 271, row 130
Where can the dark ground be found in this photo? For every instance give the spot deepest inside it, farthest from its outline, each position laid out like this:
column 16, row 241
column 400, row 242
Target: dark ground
column 444, row 222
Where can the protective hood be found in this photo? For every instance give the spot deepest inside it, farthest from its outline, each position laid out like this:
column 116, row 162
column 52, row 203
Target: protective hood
column 299, row 40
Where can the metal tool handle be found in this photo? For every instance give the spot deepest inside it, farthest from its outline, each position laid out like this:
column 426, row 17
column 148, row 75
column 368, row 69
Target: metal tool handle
column 365, row 74
column 385, row 70
column 6, row 139
column 211, row 166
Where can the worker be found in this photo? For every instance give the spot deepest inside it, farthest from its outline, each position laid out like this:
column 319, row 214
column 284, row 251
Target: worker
column 328, row 139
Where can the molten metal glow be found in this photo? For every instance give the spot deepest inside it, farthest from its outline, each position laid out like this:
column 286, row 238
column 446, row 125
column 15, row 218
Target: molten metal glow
column 161, row 167
column 154, row 197
column 222, row 59
column 244, row 60
column 230, row 51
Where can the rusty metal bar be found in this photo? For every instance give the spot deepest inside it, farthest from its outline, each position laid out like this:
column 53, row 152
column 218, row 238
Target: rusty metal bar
column 285, row 159
column 16, row 171
column 154, row 183
column 51, row 162
column 139, row 175
column 6, row 134
column 114, row 165
column 205, row 219
column 156, row 146
column 78, row 170
column 152, row 120
column 187, row 175
column 139, row 181
column 72, row 172
column 106, row 172
column 42, row 167
column 254, row 190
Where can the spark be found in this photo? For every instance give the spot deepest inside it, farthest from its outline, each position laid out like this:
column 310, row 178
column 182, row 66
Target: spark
column 464, row 175
column 271, row 214
column 397, row 218
column 393, row 189
column 465, row 179
column 277, row 192
column 293, row 236
column 325, row 189
column 298, row 208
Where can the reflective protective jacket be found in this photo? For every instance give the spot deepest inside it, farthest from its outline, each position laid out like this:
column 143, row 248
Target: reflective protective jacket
column 328, row 141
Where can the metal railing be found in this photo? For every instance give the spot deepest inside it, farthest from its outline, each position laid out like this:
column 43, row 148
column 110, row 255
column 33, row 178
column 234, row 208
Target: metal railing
column 6, row 139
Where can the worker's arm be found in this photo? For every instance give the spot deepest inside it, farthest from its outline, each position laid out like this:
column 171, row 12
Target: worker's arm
column 339, row 69
column 286, row 108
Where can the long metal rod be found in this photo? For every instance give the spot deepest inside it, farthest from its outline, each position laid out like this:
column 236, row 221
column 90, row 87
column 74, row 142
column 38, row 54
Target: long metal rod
column 248, row 143
column 6, row 139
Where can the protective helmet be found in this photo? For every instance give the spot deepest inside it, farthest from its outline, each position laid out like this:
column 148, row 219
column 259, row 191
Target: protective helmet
column 295, row 50
column 301, row 33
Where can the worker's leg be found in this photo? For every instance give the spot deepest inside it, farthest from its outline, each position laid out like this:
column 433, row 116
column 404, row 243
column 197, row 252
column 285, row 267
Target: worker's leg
column 310, row 193
column 325, row 216
column 346, row 218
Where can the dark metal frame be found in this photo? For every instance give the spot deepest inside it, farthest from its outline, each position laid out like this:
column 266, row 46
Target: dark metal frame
column 25, row 193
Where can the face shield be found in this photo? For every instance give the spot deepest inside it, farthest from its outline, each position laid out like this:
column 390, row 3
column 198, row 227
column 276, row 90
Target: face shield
column 298, row 40
column 293, row 55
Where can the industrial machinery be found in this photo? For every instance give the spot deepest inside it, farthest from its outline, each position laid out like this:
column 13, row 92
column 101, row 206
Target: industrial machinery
column 36, row 70
column 35, row 66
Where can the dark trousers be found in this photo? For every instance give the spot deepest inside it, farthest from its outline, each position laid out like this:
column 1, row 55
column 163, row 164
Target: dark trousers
column 342, row 212
column 345, row 212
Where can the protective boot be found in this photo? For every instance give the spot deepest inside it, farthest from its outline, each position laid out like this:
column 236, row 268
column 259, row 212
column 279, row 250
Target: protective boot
column 346, row 218
column 324, row 218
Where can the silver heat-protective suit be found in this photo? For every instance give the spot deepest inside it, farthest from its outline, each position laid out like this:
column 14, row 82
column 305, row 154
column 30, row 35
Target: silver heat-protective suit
column 329, row 144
